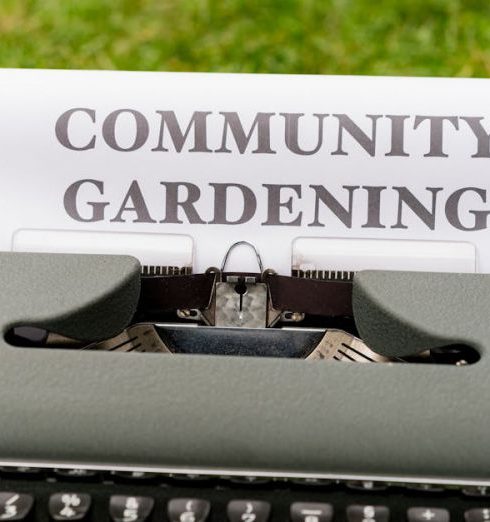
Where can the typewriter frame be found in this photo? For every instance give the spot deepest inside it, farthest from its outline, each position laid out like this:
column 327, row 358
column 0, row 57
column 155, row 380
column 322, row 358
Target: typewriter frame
column 217, row 415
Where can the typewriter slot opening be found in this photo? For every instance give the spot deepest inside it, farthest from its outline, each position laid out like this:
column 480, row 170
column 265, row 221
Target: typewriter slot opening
column 304, row 316
column 308, row 342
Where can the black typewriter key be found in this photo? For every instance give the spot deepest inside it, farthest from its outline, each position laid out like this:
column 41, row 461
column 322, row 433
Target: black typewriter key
column 248, row 511
column 427, row 514
column 69, row 506
column 311, row 512
column 188, row 510
column 476, row 491
column 125, row 508
column 367, row 513
column 15, row 506
column 477, row 515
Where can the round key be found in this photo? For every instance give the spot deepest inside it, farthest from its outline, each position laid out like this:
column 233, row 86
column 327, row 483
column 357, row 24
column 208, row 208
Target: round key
column 69, row 506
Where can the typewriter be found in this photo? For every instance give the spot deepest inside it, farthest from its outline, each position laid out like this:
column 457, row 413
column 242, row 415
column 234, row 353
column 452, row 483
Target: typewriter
column 140, row 385
column 134, row 393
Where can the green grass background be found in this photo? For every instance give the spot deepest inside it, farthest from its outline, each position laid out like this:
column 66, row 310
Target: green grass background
column 407, row 37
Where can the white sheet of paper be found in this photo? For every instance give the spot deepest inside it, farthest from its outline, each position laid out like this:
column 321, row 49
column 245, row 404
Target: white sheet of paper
column 328, row 157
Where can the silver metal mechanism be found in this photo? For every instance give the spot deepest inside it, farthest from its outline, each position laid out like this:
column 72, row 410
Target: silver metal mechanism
column 326, row 275
column 241, row 300
column 138, row 338
column 241, row 304
column 238, row 300
column 150, row 270
column 242, row 243
column 335, row 345
column 292, row 317
column 192, row 314
column 342, row 346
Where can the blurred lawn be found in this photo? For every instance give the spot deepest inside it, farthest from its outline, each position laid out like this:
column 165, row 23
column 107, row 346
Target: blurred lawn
column 409, row 37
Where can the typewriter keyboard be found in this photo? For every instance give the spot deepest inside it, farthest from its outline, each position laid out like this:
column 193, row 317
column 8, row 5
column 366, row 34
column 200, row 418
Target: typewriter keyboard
column 33, row 494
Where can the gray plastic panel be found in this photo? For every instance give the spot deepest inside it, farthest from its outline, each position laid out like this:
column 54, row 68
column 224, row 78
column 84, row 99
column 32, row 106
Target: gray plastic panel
column 85, row 297
column 209, row 412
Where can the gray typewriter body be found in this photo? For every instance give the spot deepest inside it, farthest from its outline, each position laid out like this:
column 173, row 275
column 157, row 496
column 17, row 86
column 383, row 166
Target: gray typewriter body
column 244, row 416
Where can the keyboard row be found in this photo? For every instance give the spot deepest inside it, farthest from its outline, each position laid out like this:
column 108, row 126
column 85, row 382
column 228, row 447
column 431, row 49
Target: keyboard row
column 79, row 474
column 72, row 506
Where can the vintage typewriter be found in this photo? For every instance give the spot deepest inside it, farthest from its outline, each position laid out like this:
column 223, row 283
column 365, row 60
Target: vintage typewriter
column 141, row 393
column 212, row 313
